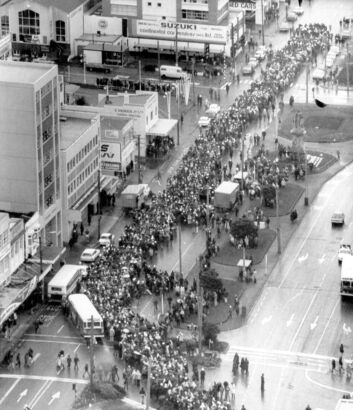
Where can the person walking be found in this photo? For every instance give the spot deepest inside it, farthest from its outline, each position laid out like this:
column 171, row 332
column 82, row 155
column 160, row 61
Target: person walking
column 262, row 383
column 76, row 360
column 68, row 361
column 18, row 360
column 86, row 371
column 142, row 395
column 202, row 377
column 333, row 365
column 341, row 348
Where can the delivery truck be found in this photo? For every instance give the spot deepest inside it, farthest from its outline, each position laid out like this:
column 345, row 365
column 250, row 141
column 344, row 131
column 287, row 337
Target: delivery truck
column 344, row 404
column 226, row 195
column 134, row 196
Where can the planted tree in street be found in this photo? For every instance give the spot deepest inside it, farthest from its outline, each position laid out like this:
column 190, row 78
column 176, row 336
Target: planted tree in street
column 244, row 228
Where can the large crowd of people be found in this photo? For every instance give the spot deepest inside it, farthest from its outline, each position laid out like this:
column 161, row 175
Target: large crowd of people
column 125, row 272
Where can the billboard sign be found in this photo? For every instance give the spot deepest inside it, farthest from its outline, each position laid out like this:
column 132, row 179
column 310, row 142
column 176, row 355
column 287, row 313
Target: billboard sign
column 183, row 31
column 242, row 5
column 111, row 156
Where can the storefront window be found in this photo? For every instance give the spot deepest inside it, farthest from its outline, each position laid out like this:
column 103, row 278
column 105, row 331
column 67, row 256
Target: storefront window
column 60, row 31
column 5, row 25
column 28, row 22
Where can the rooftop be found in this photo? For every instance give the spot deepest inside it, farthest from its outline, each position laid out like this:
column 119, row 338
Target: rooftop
column 72, row 129
column 65, row 5
column 21, row 72
column 117, row 123
column 118, row 99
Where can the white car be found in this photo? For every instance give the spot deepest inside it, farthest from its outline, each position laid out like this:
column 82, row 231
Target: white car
column 319, row 74
column 298, row 10
column 344, row 250
column 291, row 17
column 248, row 70
column 253, row 61
column 260, row 54
column 204, row 121
column 213, row 110
column 284, row 27
column 89, row 255
column 337, row 218
column 106, row 239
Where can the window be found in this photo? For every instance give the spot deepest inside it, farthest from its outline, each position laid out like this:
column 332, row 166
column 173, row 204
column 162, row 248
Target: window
column 194, row 15
column 5, row 25
column 60, row 30
column 49, row 201
column 28, row 22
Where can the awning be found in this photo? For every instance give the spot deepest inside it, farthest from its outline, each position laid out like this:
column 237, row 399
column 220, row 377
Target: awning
column 162, row 127
column 50, row 254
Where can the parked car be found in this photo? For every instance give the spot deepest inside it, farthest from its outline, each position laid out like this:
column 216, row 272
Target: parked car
column 106, row 239
column 344, row 250
column 284, row 27
column 337, row 218
column 291, row 17
column 213, row 110
column 204, row 121
column 248, row 70
column 90, row 255
column 261, row 54
column 253, row 61
column 298, row 10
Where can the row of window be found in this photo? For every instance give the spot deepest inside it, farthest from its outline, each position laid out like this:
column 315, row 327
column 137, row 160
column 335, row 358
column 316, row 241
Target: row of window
column 4, row 239
column 194, row 15
column 196, row 1
column 48, row 180
column 16, row 247
column 83, row 175
column 149, row 3
column 82, row 153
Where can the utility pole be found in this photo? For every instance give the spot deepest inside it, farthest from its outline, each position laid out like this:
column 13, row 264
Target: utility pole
column 91, row 357
column 140, row 72
column 347, row 69
column 139, row 159
column 199, row 306
column 176, row 44
column 307, row 83
column 262, row 22
column 180, row 255
column 159, row 60
column 178, row 111
column 41, row 266
column 242, row 158
column 193, row 81
column 148, row 387
column 99, row 202
column 278, row 228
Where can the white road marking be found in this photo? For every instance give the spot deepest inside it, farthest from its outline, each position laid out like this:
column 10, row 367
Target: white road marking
column 322, row 259
column 39, row 393
column 49, row 341
column 326, row 326
column 60, row 329
column 35, row 377
column 303, row 320
column 53, row 336
column 22, row 394
column 314, row 324
column 346, row 329
column 266, row 320
column 14, row 384
column 76, row 348
column 324, row 385
column 36, row 357
column 290, row 321
column 54, row 397
column 303, row 258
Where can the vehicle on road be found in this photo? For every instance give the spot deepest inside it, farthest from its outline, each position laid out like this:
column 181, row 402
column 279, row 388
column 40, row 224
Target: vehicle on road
column 343, row 251
column 89, row 255
column 337, row 218
column 134, row 196
column 291, row 17
column 64, row 282
column 319, row 74
column 248, row 70
column 261, row 53
column 213, row 110
column 106, row 239
column 347, row 276
column 344, row 404
column 204, row 122
column 284, row 27
column 298, row 10
column 99, row 68
column 253, row 61
column 81, row 313
column 172, row 71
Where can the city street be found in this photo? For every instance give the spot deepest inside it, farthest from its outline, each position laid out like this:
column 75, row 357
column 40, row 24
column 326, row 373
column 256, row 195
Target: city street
column 295, row 327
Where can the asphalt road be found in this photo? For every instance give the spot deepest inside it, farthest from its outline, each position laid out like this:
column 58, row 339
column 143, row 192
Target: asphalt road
column 299, row 321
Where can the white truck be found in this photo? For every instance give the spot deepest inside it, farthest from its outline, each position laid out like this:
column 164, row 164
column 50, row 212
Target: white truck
column 347, row 276
column 225, row 195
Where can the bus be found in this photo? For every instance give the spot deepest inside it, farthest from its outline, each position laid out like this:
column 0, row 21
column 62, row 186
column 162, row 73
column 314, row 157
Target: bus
column 347, row 276
column 81, row 313
column 64, row 282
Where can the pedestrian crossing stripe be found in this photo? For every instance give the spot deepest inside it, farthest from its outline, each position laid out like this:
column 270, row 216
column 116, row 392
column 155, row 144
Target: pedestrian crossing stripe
column 313, row 159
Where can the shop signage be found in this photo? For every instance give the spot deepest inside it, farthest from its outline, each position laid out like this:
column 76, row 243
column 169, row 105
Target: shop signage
column 182, row 31
column 242, row 5
column 103, row 23
column 110, row 155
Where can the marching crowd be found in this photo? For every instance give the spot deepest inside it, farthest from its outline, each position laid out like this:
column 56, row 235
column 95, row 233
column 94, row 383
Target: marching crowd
column 124, row 272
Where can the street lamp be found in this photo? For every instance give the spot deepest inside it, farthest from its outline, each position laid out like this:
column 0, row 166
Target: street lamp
column 83, row 60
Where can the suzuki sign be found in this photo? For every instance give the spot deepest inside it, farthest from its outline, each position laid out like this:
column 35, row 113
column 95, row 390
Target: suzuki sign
column 183, row 31
column 111, row 156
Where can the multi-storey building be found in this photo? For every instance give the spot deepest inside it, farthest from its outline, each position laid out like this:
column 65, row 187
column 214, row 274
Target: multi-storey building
column 189, row 26
column 80, row 157
column 30, row 146
column 5, row 249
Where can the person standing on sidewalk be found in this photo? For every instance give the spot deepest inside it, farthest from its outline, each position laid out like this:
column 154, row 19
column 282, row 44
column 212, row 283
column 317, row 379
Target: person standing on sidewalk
column 202, row 377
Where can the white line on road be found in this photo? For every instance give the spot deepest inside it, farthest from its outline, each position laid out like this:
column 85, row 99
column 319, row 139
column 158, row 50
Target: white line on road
column 44, row 335
column 34, row 377
column 40, row 393
column 36, row 357
column 49, row 341
column 303, row 320
column 60, row 329
column 14, row 384
column 326, row 326
column 76, row 348
column 324, row 385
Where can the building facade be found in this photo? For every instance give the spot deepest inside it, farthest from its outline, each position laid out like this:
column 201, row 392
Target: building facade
column 29, row 137
column 5, row 249
column 80, row 157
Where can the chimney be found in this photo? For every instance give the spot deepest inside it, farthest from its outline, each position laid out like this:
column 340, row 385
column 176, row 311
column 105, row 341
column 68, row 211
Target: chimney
column 126, row 98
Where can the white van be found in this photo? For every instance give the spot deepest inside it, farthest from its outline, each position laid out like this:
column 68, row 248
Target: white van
column 64, row 282
column 172, row 71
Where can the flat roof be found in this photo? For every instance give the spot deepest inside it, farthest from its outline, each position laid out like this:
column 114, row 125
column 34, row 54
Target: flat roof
column 64, row 5
column 102, row 47
column 23, row 72
column 102, row 38
column 72, row 129
column 117, row 123
column 134, row 99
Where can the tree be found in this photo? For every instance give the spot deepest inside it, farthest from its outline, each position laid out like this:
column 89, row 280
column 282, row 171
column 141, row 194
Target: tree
column 244, row 227
column 269, row 195
column 210, row 332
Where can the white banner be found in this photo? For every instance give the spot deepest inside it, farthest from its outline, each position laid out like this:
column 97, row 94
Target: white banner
column 182, row 31
column 111, row 155
column 242, row 5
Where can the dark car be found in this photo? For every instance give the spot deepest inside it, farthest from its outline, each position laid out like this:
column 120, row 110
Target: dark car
column 150, row 68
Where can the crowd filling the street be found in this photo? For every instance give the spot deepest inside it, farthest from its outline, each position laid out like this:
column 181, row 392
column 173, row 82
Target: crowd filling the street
column 125, row 272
